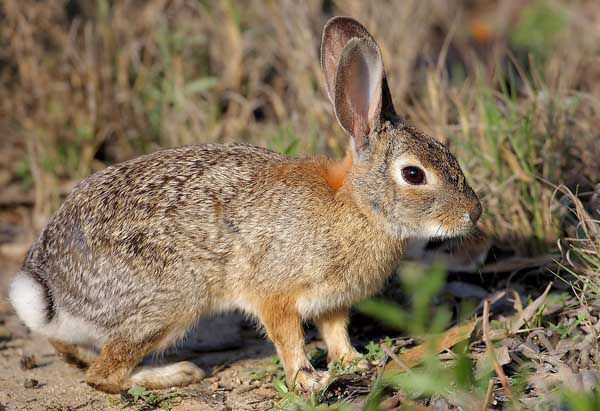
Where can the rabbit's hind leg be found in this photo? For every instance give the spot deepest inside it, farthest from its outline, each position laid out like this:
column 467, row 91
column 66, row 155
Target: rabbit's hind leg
column 166, row 376
column 73, row 354
column 115, row 368
column 117, row 358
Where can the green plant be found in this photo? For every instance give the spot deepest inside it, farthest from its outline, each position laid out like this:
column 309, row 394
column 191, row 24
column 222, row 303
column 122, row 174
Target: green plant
column 23, row 173
column 374, row 351
column 141, row 399
column 538, row 28
column 578, row 401
column 456, row 380
column 285, row 141
column 508, row 150
column 292, row 401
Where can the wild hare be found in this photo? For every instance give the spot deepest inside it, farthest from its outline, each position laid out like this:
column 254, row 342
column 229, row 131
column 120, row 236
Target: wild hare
column 140, row 251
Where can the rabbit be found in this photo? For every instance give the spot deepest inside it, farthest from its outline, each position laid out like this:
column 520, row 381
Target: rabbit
column 139, row 251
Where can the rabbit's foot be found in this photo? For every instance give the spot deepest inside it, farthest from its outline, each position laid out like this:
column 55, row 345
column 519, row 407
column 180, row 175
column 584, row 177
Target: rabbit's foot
column 166, row 376
column 357, row 362
column 350, row 362
column 309, row 379
column 100, row 379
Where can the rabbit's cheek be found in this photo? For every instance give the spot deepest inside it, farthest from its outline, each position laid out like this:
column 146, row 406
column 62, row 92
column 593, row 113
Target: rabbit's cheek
column 434, row 230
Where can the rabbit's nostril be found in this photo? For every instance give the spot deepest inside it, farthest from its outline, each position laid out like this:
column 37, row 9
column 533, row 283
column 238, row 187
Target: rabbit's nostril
column 475, row 213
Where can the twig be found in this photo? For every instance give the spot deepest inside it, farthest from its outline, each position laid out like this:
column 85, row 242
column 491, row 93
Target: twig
column 85, row 404
column 492, row 354
column 418, row 407
column 488, row 395
column 394, row 357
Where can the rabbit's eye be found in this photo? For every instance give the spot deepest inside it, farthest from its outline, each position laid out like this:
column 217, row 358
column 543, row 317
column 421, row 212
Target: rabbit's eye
column 413, row 175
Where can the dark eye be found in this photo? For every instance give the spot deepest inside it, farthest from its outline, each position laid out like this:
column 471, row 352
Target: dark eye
column 413, row 175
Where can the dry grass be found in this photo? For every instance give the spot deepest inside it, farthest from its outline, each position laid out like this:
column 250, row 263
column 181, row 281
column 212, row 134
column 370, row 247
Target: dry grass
column 88, row 85
column 512, row 88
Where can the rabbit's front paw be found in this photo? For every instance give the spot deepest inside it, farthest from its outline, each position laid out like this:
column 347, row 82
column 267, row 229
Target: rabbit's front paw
column 352, row 361
column 311, row 380
column 359, row 363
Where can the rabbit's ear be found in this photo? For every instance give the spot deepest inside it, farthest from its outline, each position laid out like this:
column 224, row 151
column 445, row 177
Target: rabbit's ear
column 358, row 89
column 337, row 33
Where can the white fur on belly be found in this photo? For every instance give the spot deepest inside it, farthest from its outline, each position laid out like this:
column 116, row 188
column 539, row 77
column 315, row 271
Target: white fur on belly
column 71, row 329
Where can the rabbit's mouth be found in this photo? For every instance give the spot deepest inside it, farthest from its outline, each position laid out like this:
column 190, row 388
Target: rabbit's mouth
column 437, row 232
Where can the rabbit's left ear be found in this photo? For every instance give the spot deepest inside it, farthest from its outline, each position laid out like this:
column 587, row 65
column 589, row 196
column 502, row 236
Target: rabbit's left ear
column 337, row 33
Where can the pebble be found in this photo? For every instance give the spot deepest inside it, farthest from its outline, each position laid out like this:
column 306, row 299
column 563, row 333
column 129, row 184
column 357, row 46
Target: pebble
column 27, row 362
column 5, row 335
column 30, row 383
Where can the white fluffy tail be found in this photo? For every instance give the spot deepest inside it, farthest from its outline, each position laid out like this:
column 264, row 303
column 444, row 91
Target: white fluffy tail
column 29, row 299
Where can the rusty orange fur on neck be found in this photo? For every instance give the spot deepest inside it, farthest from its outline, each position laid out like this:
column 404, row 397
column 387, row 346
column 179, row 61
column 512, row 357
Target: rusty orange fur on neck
column 335, row 172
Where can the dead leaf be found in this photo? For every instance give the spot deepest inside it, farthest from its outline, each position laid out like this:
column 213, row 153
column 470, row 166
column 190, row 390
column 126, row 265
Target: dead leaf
column 530, row 311
column 416, row 355
column 502, row 357
column 530, row 351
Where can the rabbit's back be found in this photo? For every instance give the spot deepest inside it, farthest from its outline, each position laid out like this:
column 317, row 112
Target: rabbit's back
column 148, row 231
column 198, row 229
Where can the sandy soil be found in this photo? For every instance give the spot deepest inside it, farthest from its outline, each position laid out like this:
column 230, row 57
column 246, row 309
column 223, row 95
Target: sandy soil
column 228, row 388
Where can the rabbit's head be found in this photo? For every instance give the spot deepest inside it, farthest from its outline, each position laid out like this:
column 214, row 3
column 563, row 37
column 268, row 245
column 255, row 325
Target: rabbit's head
column 407, row 180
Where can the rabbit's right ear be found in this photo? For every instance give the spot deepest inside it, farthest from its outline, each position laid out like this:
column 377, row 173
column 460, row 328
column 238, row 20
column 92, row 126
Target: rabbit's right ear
column 337, row 32
column 355, row 78
column 357, row 90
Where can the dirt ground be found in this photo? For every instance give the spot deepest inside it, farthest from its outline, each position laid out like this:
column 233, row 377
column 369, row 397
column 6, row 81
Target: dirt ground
column 227, row 348
column 59, row 385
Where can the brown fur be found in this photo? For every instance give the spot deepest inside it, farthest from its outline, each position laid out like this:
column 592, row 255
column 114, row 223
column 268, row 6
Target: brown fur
column 333, row 328
column 142, row 249
column 284, row 327
column 71, row 354
column 117, row 358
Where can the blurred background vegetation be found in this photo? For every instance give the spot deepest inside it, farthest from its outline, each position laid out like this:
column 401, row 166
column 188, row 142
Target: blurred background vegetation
column 512, row 86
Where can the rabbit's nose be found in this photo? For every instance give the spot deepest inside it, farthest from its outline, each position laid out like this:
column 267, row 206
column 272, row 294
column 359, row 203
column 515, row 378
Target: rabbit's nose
column 475, row 213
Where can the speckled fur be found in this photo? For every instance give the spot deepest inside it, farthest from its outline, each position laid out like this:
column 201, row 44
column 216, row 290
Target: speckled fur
column 140, row 251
